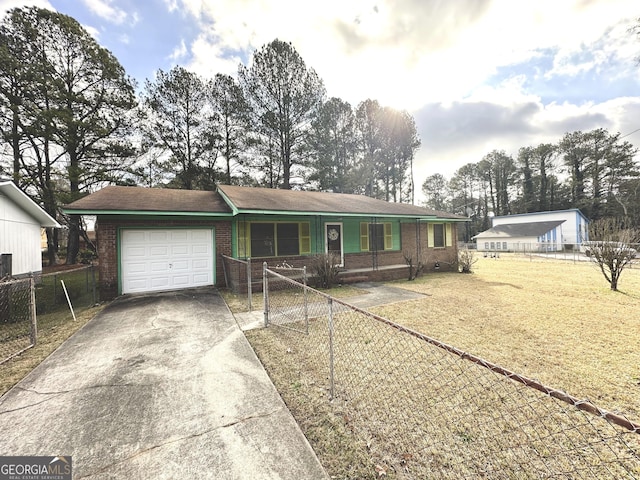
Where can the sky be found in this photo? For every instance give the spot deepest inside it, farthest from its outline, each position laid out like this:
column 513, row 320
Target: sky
column 477, row 75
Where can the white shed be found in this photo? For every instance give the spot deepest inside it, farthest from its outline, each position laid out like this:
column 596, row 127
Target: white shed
column 21, row 221
column 539, row 231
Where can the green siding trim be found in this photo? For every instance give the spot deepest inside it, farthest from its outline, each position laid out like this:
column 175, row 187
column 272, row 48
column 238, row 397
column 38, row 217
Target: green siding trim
column 350, row 234
column 147, row 213
column 333, row 214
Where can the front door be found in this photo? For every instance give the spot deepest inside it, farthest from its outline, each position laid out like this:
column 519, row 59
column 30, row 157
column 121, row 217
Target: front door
column 333, row 236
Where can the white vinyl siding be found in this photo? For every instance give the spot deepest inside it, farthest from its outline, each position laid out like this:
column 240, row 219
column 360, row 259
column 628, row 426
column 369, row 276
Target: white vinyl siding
column 20, row 236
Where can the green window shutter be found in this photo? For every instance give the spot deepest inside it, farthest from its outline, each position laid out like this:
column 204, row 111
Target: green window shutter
column 242, row 239
column 388, row 236
column 430, row 240
column 364, row 237
column 448, row 236
column 305, row 238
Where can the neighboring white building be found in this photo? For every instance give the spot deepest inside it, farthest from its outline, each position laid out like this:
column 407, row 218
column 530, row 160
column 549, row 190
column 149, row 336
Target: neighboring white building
column 21, row 220
column 540, row 231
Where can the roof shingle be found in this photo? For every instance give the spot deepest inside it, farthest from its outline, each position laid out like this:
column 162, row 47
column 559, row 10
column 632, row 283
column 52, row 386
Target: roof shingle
column 531, row 229
column 115, row 199
column 130, row 199
column 273, row 200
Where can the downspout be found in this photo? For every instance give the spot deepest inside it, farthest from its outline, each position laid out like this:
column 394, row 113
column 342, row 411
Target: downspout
column 417, row 240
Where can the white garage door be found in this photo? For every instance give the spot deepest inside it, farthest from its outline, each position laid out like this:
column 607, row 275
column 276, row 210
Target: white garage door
column 155, row 260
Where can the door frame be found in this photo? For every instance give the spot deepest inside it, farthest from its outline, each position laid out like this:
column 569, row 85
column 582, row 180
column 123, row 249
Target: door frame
column 326, row 238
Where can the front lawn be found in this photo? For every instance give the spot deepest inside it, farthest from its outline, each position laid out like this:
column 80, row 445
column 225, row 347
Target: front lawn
column 552, row 320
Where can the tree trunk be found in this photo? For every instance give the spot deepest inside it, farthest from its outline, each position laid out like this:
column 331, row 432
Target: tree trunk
column 73, row 242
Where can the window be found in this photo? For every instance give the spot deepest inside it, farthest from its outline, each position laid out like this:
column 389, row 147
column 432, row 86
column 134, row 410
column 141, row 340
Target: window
column 493, row 245
column 486, row 245
column 376, row 236
column 504, row 246
column 440, row 235
column 273, row 239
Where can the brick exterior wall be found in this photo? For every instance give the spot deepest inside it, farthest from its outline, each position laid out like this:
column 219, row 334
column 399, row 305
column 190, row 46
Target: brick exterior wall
column 447, row 258
column 107, row 238
column 107, row 231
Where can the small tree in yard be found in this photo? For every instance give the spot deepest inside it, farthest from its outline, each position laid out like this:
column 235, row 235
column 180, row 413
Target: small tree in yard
column 611, row 247
column 415, row 267
column 466, row 260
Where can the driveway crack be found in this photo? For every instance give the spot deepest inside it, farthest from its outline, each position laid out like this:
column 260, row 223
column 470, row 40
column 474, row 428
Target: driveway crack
column 54, row 394
column 180, row 439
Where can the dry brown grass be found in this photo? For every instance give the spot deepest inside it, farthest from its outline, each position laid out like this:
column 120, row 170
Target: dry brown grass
column 412, row 410
column 553, row 320
column 50, row 336
column 238, row 303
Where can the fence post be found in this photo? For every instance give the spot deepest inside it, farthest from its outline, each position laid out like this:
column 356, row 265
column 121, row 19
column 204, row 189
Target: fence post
column 32, row 301
column 306, row 301
column 93, row 284
column 249, row 286
column 265, row 293
column 331, row 381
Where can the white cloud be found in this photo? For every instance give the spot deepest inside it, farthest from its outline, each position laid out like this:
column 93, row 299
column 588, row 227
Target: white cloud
column 106, row 10
column 409, row 52
column 179, row 52
column 9, row 4
column 172, row 5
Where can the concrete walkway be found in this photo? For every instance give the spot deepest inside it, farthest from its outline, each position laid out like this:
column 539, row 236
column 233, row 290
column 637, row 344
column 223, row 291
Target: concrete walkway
column 376, row 294
column 161, row 387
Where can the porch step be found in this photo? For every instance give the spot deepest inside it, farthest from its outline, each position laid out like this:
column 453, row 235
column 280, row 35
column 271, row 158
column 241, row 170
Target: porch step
column 353, row 279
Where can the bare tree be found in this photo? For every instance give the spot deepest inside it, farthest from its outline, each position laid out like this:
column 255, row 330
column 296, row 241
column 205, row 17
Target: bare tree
column 611, row 247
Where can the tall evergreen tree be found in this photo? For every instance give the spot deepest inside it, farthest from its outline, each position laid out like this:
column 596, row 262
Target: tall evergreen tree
column 333, row 147
column 180, row 126
column 284, row 96
column 75, row 102
column 231, row 122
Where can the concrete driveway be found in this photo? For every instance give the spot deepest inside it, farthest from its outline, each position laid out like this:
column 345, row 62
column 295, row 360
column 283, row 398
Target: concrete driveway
column 162, row 386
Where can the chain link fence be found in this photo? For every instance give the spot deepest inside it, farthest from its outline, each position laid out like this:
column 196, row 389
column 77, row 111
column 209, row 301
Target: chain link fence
column 543, row 251
column 17, row 317
column 425, row 409
column 40, row 303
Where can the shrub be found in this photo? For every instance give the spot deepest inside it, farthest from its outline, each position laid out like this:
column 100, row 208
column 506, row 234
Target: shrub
column 87, row 256
column 466, row 259
column 325, row 268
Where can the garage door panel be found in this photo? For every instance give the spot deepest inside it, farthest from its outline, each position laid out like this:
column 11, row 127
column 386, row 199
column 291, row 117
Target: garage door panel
column 198, row 249
column 159, row 267
column 138, row 285
column 180, row 265
column 157, row 259
column 137, row 268
column 200, row 264
column 131, row 252
column 200, row 278
column 157, row 250
column 180, row 250
column 159, row 282
column 154, row 236
column 136, row 237
column 182, row 281
column 200, row 237
column 179, row 235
